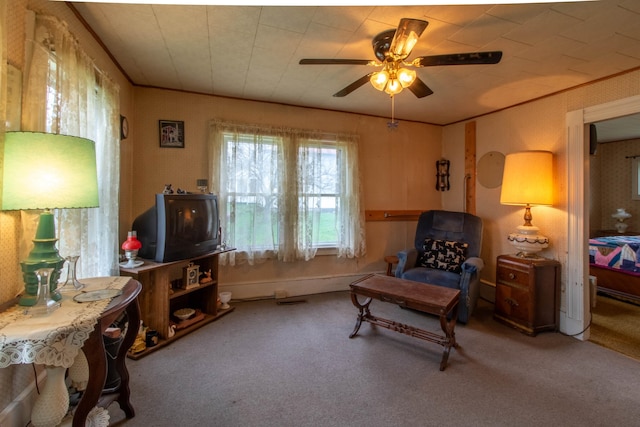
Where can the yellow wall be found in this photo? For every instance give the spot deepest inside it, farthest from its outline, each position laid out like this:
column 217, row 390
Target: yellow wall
column 17, row 15
column 398, row 167
column 14, row 380
column 539, row 125
column 398, row 171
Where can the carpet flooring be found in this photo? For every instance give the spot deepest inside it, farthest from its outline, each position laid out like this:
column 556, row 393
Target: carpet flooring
column 294, row 366
column 616, row 325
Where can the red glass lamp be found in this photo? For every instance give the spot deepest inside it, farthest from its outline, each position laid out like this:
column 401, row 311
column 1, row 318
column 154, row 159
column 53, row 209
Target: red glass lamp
column 130, row 248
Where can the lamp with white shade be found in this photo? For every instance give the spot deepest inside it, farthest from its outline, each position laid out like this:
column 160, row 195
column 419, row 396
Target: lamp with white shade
column 527, row 181
column 46, row 171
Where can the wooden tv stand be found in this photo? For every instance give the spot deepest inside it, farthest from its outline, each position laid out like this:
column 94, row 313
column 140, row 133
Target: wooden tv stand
column 161, row 296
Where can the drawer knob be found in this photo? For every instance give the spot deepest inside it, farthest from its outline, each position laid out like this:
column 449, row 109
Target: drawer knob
column 511, row 302
column 512, row 276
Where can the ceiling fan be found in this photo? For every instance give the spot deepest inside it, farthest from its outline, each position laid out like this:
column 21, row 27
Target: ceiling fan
column 392, row 48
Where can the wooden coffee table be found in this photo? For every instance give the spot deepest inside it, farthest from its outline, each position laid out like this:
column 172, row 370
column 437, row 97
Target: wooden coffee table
column 430, row 299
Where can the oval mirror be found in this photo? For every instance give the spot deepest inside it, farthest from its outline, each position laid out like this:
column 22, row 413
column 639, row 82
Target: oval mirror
column 490, row 168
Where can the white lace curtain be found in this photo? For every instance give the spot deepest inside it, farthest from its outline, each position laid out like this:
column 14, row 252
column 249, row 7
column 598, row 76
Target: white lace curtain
column 292, row 167
column 65, row 93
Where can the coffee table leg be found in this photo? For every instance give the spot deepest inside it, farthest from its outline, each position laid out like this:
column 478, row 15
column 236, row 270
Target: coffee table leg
column 363, row 311
column 449, row 332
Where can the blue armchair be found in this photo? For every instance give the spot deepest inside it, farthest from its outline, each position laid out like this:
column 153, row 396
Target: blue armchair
column 446, row 253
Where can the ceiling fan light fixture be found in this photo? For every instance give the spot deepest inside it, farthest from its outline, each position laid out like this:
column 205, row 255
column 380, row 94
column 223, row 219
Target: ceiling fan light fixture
column 405, row 44
column 391, row 48
column 406, row 77
column 379, row 80
column 393, row 87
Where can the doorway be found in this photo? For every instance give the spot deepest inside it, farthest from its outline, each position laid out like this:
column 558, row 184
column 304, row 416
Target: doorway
column 577, row 315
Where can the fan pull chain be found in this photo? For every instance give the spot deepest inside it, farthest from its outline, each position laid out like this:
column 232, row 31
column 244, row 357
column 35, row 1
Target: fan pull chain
column 392, row 125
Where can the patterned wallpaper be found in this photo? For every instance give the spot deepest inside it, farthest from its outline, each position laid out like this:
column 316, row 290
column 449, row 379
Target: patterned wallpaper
column 10, row 221
column 611, row 184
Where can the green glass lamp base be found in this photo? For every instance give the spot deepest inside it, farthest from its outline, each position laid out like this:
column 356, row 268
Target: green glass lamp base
column 43, row 255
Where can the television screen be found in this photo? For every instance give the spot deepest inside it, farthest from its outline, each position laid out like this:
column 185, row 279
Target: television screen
column 179, row 226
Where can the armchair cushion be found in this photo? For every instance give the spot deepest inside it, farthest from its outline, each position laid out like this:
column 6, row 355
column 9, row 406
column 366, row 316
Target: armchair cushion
column 433, row 276
column 444, row 255
column 437, row 229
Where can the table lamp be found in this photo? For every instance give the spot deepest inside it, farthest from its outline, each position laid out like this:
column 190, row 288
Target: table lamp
column 47, row 171
column 527, row 181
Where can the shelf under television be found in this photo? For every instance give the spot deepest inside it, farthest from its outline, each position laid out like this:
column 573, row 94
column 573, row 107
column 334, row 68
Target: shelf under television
column 178, row 292
column 208, row 318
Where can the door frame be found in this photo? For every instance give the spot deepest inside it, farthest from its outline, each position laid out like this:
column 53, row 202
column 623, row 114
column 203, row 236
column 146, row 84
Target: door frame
column 577, row 304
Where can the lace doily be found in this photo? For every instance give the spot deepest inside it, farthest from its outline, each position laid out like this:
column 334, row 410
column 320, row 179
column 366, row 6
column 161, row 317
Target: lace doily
column 54, row 339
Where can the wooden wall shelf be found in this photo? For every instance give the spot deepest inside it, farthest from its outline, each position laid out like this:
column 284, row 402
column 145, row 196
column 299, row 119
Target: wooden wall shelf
column 393, row 215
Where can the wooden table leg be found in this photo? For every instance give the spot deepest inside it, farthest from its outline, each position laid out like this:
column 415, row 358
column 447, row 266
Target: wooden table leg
column 94, row 350
column 363, row 311
column 133, row 315
column 391, row 260
column 97, row 359
column 448, row 327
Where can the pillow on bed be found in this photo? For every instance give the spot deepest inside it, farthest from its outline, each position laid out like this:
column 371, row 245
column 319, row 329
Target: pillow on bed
column 444, row 255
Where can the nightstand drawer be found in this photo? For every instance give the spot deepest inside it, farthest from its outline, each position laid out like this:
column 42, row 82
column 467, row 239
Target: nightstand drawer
column 512, row 276
column 513, row 303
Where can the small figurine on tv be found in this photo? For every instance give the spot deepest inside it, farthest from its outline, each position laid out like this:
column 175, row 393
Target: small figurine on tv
column 167, row 189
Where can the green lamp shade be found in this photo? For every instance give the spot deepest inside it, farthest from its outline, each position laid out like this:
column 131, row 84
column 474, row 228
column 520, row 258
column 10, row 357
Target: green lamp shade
column 48, row 171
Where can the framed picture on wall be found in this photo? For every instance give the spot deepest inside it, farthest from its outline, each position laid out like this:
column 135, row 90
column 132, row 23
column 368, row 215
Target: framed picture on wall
column 171, row 134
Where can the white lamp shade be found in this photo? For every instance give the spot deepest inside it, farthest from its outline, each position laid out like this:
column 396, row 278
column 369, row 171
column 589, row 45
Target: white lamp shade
column 528, row 179
column 47, row 171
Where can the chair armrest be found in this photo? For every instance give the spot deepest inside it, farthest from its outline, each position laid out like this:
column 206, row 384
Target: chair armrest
column 406, row 260
column 473, row 263
column 469, row 287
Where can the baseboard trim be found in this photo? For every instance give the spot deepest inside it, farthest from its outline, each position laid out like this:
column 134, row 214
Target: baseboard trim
column 291, row 287
column 18, row 412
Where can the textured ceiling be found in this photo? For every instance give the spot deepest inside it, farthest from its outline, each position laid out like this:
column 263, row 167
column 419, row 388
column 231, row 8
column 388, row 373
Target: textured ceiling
column 252, row 52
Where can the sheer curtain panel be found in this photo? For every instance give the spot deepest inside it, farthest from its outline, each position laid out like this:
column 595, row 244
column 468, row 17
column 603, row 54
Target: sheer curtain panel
column 65, row 93
column 286, row 193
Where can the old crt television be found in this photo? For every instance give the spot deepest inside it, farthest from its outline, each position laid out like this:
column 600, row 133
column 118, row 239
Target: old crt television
column 179, row 226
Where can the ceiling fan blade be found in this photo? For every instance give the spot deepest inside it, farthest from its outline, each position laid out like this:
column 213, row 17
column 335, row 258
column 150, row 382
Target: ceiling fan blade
column 458, row 59
column 406, row 37
column 336, row 61
column 353, row 86
column 419, row 89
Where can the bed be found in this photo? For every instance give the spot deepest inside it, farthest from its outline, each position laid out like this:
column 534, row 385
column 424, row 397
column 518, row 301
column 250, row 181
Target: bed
column 615, row 262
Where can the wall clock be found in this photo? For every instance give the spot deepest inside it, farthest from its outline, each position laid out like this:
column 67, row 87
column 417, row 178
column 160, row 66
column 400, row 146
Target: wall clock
column 124, row 127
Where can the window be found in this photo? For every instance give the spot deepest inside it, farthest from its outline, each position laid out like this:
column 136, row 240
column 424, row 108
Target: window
column 66, row 93
column 286, row 193
column 319, row 196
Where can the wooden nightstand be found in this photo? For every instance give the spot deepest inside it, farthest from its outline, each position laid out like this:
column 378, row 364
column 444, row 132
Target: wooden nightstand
column 527, row 293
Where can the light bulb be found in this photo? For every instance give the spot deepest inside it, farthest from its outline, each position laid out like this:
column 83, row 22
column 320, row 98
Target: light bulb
column 379, row 80
column 406, row 77
column 393, row 87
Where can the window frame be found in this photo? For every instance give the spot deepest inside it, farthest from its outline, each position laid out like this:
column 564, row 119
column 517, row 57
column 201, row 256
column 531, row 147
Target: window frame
column 347, row 210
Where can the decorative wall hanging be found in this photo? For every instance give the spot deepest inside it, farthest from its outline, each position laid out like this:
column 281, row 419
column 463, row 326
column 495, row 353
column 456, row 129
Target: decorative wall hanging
column 442, row 175
column 490, row 168
column 171, row 134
